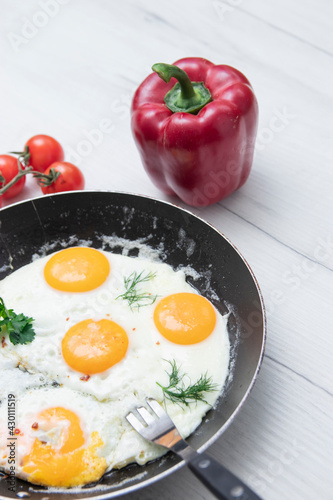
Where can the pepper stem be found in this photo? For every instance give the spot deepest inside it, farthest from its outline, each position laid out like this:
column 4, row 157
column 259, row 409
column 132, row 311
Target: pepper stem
column 185, row 96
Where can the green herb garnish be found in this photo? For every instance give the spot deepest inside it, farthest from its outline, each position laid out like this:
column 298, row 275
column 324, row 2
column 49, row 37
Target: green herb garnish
column 18, row 326
column 133, row 295
column 178, row 392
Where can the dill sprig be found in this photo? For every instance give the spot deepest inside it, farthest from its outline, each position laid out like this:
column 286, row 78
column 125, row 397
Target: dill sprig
column 134, row 297
column 178, row 392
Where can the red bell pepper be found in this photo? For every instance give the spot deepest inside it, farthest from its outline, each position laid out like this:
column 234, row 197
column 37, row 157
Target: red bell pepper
column 196, row 137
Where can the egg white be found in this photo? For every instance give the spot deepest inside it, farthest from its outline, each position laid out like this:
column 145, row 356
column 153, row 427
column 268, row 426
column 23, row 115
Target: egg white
column 126, row 384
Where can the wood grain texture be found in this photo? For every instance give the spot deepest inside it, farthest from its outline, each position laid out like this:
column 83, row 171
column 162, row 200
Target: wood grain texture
column 77, row 74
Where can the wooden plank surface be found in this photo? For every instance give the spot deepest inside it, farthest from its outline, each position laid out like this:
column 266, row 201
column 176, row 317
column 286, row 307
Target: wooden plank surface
column 67, row 76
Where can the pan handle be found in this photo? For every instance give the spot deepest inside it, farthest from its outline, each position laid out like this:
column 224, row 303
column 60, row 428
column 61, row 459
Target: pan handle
column 221, row 482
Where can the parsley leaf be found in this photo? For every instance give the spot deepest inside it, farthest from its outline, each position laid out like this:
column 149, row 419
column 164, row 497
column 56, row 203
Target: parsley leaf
column 18, row 326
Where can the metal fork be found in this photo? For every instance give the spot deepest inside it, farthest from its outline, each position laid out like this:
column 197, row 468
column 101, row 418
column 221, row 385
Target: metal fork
column 161, row 430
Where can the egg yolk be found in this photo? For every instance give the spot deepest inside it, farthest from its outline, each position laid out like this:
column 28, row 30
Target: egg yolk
column 94, row 346
column 59, row 458
column 77, row 269
column 185, row 318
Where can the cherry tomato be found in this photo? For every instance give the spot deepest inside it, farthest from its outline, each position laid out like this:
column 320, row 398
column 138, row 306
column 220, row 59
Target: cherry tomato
column 70, row 178
column 8, row 169
column 44, row 150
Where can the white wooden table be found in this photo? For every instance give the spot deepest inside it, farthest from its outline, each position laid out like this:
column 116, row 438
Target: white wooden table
column 67, row 66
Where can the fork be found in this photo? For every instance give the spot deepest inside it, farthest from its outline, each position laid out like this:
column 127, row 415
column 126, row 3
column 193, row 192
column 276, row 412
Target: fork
column 160, row 429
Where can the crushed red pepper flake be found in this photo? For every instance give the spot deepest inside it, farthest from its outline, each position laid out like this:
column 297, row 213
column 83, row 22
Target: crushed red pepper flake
column 85, row 378
column 34, row 425
column 3, row 343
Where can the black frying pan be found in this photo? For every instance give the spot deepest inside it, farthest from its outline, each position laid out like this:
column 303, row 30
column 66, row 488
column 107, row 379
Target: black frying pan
column 49, row 222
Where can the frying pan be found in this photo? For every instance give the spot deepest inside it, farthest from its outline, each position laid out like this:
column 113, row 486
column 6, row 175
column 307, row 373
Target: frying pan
column 47, row 224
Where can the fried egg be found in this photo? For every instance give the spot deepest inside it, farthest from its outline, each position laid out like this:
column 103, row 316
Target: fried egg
column 108, row 330
column 61, row 438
